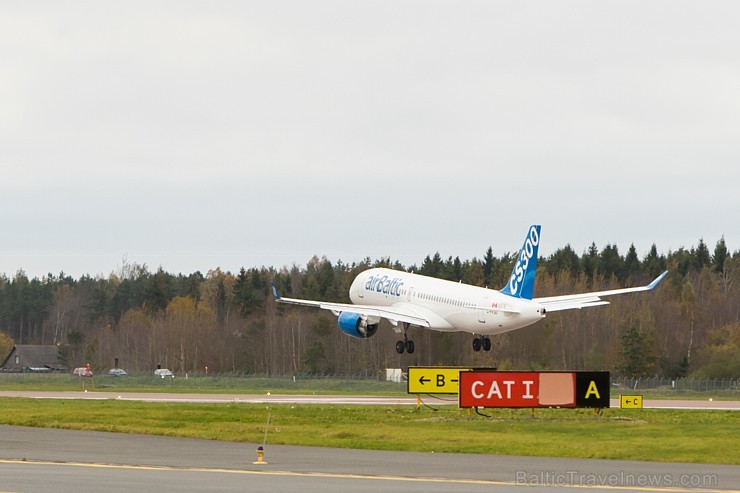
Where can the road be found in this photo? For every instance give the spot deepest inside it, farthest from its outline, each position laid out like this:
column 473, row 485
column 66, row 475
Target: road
column 39, row 460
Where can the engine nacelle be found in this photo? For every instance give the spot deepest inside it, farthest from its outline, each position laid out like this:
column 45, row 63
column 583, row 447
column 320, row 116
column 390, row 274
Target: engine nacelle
column 354, row 325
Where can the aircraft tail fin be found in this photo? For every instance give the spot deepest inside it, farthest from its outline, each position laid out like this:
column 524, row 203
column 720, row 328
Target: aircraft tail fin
column 521, row 282
column 275, row 293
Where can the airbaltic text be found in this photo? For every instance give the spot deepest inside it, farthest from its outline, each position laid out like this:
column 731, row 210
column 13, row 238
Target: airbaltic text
column 384, row 285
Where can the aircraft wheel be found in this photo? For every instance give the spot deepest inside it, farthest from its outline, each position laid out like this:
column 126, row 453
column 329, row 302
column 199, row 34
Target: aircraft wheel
column 486, row 342
column 399, row 347
column 409, row 347
column 476, row 344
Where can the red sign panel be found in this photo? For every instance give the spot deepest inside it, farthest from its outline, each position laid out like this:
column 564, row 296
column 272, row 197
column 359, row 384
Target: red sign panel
column 534, row 389
column 499, row 389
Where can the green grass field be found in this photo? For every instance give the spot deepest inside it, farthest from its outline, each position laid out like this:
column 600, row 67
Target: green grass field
column 649, row 435
column 226, row 384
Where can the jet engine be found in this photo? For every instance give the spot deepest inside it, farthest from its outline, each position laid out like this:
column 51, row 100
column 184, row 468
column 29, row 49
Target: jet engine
column 353, row 324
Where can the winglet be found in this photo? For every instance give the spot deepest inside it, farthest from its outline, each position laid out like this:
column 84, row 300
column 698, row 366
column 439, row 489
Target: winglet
column 275, row 293
column 657, row 280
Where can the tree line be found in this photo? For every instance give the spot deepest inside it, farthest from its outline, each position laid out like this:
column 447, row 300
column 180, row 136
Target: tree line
column 228, row 322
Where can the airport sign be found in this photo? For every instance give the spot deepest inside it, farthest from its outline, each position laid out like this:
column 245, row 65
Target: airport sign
column 630, row 401
column 434, row 379
column 533, row 389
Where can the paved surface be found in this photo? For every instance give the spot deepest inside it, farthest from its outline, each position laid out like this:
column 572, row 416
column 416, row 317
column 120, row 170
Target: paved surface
column 687, row 404
column 326, row 399
column 41, row 460
column 218, row 398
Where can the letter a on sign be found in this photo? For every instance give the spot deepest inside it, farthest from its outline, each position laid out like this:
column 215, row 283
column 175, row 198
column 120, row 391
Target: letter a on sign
column 592, row 389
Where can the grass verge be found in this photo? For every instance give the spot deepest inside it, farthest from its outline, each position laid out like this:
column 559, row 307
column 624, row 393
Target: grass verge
column 646, row 435
column 237, row 384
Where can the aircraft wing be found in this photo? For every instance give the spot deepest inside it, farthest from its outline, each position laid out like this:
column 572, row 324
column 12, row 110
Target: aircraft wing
column 392, row 313
column 587, row 300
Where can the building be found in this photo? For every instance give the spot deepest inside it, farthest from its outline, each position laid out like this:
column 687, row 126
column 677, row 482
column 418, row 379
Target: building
column 31, row 358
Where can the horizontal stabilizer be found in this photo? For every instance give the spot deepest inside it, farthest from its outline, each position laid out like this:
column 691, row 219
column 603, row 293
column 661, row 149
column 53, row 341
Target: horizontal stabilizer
column 494, row 309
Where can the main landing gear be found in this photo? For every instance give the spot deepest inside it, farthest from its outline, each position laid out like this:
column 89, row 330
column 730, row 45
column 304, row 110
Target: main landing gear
column 407, row 344
column 481, row 342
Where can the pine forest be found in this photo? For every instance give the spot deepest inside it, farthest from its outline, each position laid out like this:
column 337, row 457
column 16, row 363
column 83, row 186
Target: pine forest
column 228, row 322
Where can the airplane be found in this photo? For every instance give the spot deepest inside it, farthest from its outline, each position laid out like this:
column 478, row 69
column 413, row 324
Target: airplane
column 406, row 299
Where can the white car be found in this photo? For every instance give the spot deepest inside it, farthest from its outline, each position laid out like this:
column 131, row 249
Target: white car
column 164, row 373
column 82, row 372
column 117, row 372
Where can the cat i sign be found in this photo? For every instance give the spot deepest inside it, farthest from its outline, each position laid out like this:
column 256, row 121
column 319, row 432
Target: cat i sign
column 534, row 389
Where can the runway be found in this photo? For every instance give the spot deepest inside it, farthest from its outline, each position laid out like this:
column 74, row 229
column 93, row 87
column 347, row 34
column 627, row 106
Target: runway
column 38, row 460
column 266, row 398
column 687, row 404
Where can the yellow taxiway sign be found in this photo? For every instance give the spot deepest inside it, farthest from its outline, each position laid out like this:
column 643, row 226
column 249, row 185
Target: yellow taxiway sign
column 434, row 380
column 630, row 402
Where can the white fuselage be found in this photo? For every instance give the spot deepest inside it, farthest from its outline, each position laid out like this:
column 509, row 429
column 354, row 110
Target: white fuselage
column 449, row 306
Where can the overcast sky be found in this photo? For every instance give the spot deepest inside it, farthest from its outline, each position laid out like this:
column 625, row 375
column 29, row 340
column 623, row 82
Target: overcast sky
column 195, row 135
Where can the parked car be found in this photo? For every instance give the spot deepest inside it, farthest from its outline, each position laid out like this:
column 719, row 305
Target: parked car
column 164, row 373
column 117, row 372
column 82, row 372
